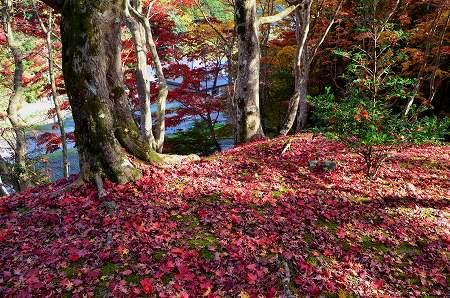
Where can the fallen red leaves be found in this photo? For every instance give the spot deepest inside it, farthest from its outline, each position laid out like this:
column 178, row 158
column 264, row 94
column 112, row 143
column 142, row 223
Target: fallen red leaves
column 247, row 222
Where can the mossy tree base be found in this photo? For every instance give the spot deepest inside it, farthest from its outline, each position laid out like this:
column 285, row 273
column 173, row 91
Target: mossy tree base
column 105, row 130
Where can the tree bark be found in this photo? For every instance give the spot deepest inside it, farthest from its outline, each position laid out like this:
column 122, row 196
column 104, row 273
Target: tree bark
column 159, row 129
column 48, row 30
column 3, row 190
column 298, row 105
column 142, row 75
column 56, row 101
column 20, row 150
column 7, row 173
column 302, row 91
column 104, row 127
column 246, row 96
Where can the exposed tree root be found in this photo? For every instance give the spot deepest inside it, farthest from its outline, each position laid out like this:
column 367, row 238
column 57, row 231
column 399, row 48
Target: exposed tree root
column 177, row 159
column 77, row 183
column 285, row 275
column 286, row 280
column 286, row 146
column 100, row 189
column 164, row 159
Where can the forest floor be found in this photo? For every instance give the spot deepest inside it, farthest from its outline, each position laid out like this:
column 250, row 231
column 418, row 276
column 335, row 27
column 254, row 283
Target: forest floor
column 246, row 223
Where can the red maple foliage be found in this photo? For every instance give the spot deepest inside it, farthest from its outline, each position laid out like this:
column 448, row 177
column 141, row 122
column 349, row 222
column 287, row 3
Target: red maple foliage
column 239, row 223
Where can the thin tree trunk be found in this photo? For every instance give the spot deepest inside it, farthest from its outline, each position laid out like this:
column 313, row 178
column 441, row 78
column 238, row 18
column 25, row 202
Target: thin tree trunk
column 59, row 115
column 298, row 105
column 213, row 133
column 7, row 171
column 20, row 150
column 264, row 88
column 3, row 190
column 209, row 119
column 302, row 91
column 104, row 127
column 160, row 128
column 246, row 95
column 142, row 75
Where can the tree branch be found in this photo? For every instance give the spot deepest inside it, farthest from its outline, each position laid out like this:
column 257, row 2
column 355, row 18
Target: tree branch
column 41, row 22
column 55, row 4
column 205, row 17
column 278, row 16
column 322, row 39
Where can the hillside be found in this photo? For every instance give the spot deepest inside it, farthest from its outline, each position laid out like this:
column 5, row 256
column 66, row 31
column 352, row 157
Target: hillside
column 244, row 223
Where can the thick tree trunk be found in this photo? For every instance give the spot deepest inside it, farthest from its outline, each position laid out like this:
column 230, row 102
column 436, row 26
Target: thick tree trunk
column 298, row 105
column 104, row 127
column 20, row 150
column 142, row 75
column 246, row 96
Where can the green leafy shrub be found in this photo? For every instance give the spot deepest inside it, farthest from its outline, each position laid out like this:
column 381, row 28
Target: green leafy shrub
column 370, row 127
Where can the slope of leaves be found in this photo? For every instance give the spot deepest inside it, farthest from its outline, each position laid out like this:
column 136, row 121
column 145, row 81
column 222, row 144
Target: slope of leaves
column 247, row 222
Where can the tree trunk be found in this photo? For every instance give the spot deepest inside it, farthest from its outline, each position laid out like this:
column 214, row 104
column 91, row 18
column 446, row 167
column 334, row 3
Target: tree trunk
column 142, row 75
column 298, row 105
column 7, row 173
column 104, row 127
column 209, row 121
column 265, row 67
column 302, row 91
column 159, row 130
column 20, row 150
column 59, row 114
column 246, row 97
column 3, row 190
column 212, row 132
column 160, row 127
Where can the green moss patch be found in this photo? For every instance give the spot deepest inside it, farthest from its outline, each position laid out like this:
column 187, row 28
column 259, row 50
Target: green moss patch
column 109, row 269
column 188, row 222
column 72, row 269
column 328, row 224
column 203, row 240
column 408, row 249
column 158, row 255
column 367, row 243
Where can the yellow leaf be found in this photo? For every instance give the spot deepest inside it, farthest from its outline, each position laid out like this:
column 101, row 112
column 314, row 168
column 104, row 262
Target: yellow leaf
column 208, row 291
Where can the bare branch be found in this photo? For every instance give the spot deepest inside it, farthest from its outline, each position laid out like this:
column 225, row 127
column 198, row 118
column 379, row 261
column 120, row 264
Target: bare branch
column 41, row 22
column 322, row 39
column 278, row 17
column 55, row 4
column 210, row 23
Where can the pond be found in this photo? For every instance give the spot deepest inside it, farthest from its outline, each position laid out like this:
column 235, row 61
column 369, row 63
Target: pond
column 53, row 165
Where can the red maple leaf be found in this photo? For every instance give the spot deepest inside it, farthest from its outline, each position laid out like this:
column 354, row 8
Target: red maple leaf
column 147, row 286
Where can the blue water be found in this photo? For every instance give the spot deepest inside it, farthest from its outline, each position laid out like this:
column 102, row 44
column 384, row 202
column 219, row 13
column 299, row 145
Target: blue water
column 53, row 166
